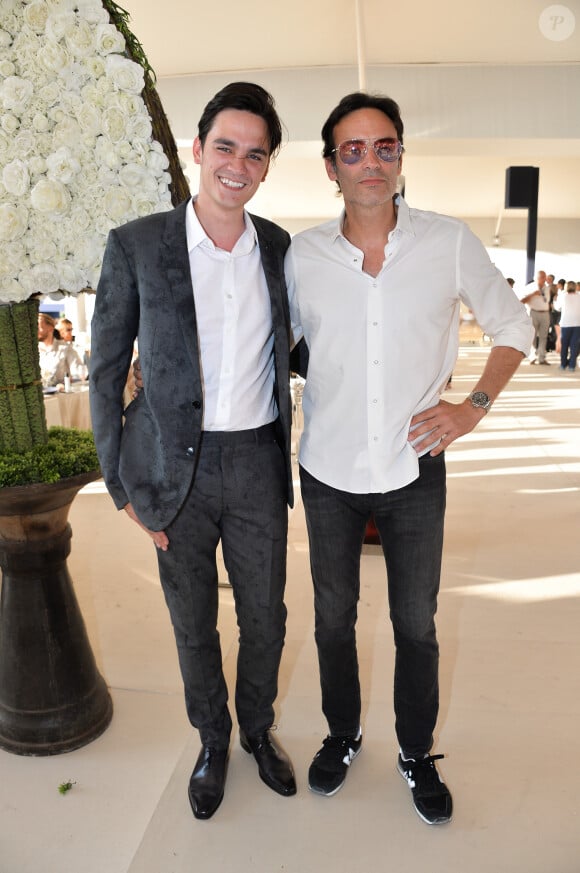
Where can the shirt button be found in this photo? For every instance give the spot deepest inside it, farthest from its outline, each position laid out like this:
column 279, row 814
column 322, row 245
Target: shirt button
column 375, row 362
column 190, row 451
column 196, row 404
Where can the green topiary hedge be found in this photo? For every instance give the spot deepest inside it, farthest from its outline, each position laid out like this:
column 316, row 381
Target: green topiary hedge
column 68, row 452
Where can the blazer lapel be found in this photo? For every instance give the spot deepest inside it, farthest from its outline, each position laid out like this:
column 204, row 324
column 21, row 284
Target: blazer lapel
column 175, row 266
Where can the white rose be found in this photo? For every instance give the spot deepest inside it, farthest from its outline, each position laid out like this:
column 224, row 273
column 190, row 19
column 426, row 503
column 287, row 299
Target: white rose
column 71, row 103
column 114, row 125
column 104, row 224
column 95, row 66
column 7, row 68
column 37, row 165
column 9, row 123
column 54, row 57
column 13, row 221
column 13, row 256
column 49, row 94
column 80, row 40
column 62, row 165
column 126, row 75
column 157, row 162
column 134, row 176
column 60, row 22
column 140, row 128
column 70, row 278
column 143, row 204
column 43, row 249
column 108, row 39
column 89, row 252
column 131, row 104
column 66, row 133
column 5, row 146
column 50, row 196
column 117, row 204
column 92, row 11
column 24, row 143
column 107, row 176
column 5, row 39
column 41, row 279
column 106, row 154
column 35, row 15
column 80, row 219
column 11, row 291
column 41, row 123
column 16, row 92
column 16, row 178
column 89, row 119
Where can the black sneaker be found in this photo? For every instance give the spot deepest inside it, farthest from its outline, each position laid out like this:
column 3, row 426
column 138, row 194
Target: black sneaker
column 328, row 769
column 431, row 796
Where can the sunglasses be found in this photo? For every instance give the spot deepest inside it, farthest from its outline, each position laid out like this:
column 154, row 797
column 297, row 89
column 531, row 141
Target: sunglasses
column 354, row 150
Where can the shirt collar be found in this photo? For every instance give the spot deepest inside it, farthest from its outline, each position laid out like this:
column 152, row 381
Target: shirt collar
column 196, row 235
column 404, row 221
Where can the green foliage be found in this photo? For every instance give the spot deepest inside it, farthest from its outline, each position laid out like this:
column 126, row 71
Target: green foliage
column 68, row 452
column 64, row 787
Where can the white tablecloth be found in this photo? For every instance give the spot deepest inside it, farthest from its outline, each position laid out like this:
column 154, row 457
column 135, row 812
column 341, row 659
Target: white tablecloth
column 69, row 409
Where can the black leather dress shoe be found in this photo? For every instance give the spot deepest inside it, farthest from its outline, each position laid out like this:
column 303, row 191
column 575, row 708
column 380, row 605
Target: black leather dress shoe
column 274, row 764
column 206, row 786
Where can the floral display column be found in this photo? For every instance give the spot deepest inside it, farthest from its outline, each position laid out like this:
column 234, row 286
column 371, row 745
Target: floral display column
column 80, row 124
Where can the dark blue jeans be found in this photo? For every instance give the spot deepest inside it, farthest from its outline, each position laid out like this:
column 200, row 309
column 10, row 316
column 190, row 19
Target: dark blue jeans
column 569, row 347
column 410, row 523
column 239, row 497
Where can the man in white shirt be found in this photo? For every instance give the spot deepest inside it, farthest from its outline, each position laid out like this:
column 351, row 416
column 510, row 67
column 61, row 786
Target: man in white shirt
column 203, row 452
column 537, row 297
column 382, row 343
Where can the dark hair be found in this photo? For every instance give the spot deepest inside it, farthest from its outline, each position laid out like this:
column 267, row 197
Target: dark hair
column 247, row 97
column 353, row 102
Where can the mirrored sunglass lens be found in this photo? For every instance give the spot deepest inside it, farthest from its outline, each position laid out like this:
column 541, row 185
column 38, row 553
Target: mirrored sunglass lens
column 352, row 151
column 387, row 149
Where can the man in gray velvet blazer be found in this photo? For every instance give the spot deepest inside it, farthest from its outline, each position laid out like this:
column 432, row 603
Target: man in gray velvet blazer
column 203, row 453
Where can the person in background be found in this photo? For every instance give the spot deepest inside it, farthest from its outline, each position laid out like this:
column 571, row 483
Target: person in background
column 65, row 329
column 58, row 359
column 537, row 297
column 202, row 455
column 382, row 345
column 569, row 306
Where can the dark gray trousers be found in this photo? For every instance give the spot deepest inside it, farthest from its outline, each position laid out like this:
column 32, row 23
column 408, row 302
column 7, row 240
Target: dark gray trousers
column 239, row 497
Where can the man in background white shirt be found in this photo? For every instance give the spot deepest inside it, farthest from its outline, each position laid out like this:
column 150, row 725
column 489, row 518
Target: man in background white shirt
column 378, row 293
column 537, row 297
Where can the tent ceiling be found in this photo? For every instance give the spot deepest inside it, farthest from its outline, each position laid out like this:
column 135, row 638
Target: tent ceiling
column 427, row 55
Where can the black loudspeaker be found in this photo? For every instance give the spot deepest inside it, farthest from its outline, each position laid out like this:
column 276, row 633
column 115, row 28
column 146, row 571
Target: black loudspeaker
column 521, row 187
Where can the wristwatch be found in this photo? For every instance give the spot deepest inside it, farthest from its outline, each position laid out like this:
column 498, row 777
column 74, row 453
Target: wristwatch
column 480, row 400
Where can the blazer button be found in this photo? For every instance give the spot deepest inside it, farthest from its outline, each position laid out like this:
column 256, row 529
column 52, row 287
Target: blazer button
column 191, row 451
column 196, row 404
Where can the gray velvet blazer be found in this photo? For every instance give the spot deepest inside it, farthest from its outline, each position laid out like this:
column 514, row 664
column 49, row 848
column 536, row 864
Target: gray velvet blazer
column 148, row 451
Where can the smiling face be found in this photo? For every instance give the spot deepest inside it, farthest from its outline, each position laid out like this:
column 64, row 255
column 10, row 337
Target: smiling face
column 234, row 160
column 371, row 182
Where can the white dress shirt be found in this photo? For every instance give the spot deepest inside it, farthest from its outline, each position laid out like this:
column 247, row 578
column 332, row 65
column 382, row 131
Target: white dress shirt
column 235, row 332
column 570, row 309
column 57, row 361
column 382, row 349
column 541, row 302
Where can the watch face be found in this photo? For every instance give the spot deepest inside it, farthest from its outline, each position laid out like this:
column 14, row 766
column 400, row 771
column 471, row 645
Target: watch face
column 480, row 398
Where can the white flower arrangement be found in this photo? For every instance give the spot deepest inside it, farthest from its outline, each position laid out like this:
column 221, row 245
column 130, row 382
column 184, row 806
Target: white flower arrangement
column 77, row 156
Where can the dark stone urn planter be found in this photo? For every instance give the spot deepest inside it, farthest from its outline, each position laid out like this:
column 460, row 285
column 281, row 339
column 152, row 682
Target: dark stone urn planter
column 52, row 697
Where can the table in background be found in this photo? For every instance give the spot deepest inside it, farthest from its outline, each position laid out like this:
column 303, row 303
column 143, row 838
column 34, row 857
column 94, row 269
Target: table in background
column 69, row 409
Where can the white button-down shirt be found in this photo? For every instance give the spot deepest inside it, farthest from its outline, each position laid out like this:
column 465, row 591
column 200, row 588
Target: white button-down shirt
column 235, row 332
column 382, row 348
